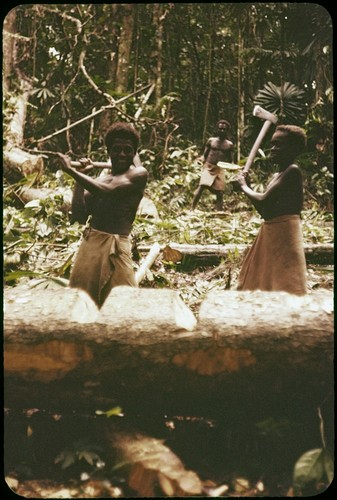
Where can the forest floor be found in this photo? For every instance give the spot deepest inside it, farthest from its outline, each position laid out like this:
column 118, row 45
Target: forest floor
column 230, row 462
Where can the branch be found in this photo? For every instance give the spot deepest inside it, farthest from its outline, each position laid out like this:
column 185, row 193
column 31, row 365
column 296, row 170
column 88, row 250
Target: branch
column 103, row 108
column 147, row 263
column 110, row 99
column 74, row 20
column 146, row 98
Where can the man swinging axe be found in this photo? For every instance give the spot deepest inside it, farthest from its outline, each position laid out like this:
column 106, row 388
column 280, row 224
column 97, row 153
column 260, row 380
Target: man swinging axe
column 276, row 260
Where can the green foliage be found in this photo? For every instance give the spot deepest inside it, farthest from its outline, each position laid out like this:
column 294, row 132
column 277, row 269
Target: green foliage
column 274, row 428
column 287, row 102
column 313, row 472
column 201, row 59
column 40, row 242
column 320, row 187
column 81, row 450
column 116, row 411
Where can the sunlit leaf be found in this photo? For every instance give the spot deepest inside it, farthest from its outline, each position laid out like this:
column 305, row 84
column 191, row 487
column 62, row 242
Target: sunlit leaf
column 113, row 412
column 309, row 468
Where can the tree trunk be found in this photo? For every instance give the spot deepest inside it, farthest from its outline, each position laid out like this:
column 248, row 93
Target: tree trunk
column 209, row 86
column 124, row 47
column 9, row 49
column 174, row 252
column 146, row 206
column 16, row 162
column 145, row 347
column 241, row 96
column 30, row 194
column 158, row 21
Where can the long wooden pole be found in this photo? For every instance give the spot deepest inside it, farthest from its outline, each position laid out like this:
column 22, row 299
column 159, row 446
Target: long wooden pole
column 103, row 108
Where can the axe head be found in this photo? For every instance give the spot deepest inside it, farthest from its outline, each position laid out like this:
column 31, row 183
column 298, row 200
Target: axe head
column 264, row 114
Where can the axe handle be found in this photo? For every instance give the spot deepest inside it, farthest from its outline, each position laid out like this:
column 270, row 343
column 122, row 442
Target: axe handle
column 97, row 164
column 106, row 164
column 256, row 145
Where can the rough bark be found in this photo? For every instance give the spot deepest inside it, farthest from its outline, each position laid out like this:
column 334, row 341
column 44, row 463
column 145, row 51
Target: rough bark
column 17, row 163
column 312, row 251
column 124, row 47
column 158, row 10
column 9, row 49
column 145, row 349
column 30, row 194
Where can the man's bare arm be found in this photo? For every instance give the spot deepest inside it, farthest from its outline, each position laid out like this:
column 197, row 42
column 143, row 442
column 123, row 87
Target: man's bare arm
column 264, row 201
column 79, row 212
column 136, row 178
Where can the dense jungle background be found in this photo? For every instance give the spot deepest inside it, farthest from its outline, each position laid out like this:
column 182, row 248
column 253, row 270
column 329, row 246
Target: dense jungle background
column 174, row 70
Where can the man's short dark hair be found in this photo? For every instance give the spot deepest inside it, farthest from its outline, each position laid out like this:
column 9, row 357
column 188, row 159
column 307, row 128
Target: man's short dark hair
column 122, row 130
column 297, row 137
column 228, row 125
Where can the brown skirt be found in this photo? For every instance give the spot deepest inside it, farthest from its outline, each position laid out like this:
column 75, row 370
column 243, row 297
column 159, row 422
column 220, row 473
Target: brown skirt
column 103, row 261
column 212, row 177
column 276, row 260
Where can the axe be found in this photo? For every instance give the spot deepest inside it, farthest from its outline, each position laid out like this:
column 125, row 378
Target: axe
column 96, row 164
column 105, row 164
column 269, row 119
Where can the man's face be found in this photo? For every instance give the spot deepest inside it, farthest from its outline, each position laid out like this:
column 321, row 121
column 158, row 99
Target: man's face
column 222, row 130
column 280, row 150
column 121, row 153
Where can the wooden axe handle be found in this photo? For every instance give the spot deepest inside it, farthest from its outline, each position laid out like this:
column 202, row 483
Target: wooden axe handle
column 256, row 145
column 106, row 164
column 96, row 164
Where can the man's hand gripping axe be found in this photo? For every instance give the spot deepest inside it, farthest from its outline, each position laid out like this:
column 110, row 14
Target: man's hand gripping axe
column 269, row 119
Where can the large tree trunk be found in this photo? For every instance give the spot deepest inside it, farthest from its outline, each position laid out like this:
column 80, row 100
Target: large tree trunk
column 241, row 96
column 9, row 49
column 145, row 348
column 174, row 252
column 124, row 47
column 158, row 10
column 17, row 163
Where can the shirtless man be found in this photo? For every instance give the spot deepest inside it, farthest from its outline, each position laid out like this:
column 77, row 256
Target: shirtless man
column 217, row 149
column 104, row 256
column 276, row 261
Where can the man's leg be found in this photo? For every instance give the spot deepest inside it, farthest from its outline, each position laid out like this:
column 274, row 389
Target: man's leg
column 197, row 196
column 219, row 201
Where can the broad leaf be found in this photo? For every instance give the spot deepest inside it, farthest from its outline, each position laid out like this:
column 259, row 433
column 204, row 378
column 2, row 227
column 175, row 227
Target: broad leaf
column 313, row 466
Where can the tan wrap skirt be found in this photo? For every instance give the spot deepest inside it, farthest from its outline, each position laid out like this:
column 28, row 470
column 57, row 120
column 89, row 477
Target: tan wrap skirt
column 212, row 176
column 103, row 261
column 276, row 260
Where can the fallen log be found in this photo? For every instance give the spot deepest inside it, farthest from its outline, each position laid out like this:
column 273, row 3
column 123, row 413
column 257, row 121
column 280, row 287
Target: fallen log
column 146, row 206
column 30, row 194
column 147, row 263
column 145, row 347
column 313, row 252
column 18, row 164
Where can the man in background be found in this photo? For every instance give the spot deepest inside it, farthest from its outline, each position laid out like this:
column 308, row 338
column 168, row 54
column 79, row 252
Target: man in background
column 217, row 149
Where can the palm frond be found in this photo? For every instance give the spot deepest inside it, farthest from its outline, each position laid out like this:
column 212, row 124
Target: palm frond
column 286, row 101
